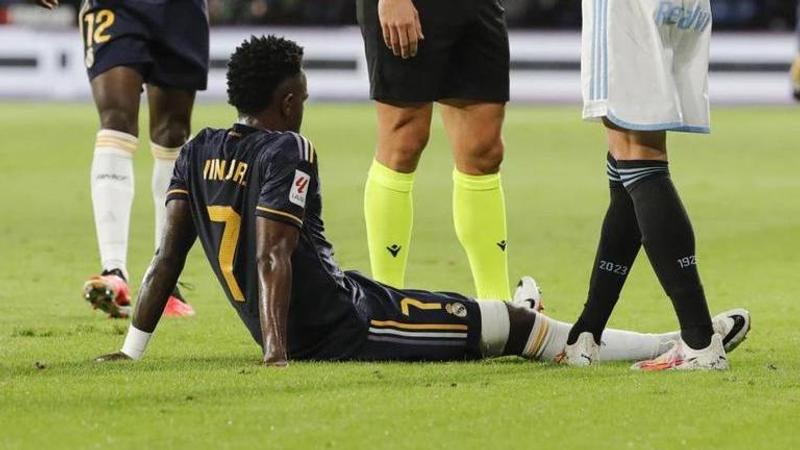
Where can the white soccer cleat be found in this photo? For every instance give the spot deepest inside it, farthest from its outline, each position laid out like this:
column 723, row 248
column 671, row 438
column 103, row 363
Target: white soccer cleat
column 528, row 294
column 683, row 357
column 732, row 326
column 582, row 353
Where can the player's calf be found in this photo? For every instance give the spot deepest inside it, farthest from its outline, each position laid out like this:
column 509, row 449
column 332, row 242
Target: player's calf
column 668, row 237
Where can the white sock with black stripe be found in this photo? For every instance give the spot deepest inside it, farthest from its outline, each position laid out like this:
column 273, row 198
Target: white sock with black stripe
column 549, row 337
column 112, row 195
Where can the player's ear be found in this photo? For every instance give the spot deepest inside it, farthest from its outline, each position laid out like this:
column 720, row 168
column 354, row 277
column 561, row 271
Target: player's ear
column 287, row 106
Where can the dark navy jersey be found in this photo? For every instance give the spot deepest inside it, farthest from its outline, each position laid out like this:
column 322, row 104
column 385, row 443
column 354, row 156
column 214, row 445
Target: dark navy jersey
column 232, row 176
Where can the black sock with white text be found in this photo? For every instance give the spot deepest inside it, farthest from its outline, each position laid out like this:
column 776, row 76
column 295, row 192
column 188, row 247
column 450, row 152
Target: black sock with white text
column 668, row 239
column 619, row 244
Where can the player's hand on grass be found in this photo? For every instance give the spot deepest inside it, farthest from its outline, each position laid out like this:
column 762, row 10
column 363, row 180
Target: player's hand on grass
column 49, row 4
column 276, row 360
column 401, row 27
column 275, row 356
column 116, row 356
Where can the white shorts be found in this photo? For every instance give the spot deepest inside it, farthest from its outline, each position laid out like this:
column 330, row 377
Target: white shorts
column 644, row 63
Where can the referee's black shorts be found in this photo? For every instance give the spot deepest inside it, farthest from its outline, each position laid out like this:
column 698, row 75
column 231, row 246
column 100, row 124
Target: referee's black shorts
column 464, row 54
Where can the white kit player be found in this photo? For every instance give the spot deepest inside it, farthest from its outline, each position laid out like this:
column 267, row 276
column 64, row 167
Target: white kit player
column 645, row 72
column 645, row 64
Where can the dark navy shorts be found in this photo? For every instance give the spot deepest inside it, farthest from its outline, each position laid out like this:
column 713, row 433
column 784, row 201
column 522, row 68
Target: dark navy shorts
column 413, row 325
column 164, row 40
column 387, row 324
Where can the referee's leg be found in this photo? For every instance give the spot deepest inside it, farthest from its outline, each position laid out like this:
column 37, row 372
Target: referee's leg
column 473, row 99
column 475, row 132
column 403, row 131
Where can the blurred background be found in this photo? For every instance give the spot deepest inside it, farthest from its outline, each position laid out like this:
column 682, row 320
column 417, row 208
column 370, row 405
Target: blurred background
column 753, row 47
column 767, row 15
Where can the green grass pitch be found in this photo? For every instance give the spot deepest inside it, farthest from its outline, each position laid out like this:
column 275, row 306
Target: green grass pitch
column 200, row 386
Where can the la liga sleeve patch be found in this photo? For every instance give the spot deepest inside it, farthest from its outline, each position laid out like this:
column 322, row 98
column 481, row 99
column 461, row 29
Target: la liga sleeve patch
column 300, row 185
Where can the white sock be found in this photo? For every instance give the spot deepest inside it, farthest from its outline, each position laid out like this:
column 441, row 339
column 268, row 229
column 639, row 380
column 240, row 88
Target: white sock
column 495, row 327
column 112, row 195
column 621, row 345
column 163, row 165
column 549, row 337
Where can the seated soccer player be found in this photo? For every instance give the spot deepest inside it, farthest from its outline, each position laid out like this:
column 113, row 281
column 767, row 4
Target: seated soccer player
column 251, row 193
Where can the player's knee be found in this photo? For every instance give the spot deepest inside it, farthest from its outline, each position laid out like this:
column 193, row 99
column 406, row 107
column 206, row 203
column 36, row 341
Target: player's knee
column 480, row 159
column 120, row 119
column 402, row 151
column 638, row 153
column 170, row 133
column 627, row 145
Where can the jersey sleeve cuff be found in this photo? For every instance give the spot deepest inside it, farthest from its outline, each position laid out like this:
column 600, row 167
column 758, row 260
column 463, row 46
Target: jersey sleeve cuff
column 177, row 194
column 280, row 216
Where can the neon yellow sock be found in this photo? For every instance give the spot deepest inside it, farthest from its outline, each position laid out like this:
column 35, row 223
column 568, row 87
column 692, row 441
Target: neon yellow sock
column 389, row 214
column 479, row 213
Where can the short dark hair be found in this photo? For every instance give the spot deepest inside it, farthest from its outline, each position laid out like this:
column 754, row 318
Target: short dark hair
column 256, row 69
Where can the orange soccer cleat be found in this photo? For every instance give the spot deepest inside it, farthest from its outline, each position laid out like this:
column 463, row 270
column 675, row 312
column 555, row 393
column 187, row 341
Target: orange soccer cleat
column 683, row 357
column 109, row 292
column 177, row 306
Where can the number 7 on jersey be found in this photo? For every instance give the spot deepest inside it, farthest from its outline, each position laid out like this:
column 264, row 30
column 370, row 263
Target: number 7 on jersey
column 227, row 245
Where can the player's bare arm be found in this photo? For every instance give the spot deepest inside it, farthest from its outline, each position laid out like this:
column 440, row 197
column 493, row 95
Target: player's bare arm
column 163, row 273
column 275, row 244
column 167, row 265
column 401, row 27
